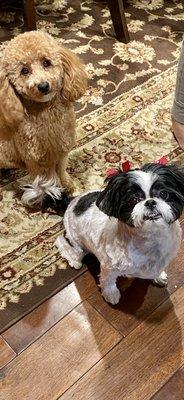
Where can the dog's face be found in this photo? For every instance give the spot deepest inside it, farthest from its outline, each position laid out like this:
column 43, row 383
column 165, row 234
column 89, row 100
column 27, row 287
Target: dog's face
column 153, row 194
column 38, row 67
column 34, row 67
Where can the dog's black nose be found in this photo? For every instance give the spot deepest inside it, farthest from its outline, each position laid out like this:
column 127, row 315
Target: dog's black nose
column 150, row 204
column 44, row 87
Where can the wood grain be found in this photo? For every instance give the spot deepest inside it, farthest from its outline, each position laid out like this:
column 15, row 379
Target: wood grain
column 6, row 353
column 35, row 324
column 29, row 14
column 58, row 359
column 139, row 298
column 173, row 389
column 141, row 363
column 119, row 20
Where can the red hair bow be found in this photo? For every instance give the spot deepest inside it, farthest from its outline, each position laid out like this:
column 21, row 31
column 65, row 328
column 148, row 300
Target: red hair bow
column 126, row 166
column 163, row 160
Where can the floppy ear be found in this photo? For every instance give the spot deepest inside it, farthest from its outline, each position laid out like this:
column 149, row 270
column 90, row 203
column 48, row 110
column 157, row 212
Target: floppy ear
column 75, row 77
column 171, row 173
column 11, row 109
column 175, row 174
column 111, row 198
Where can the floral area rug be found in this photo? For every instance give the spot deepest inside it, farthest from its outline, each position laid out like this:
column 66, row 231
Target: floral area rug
column 124, row 114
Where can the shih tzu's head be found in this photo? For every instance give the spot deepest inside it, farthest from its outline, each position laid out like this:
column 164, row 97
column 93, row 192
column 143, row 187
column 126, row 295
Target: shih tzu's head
column 154, row 194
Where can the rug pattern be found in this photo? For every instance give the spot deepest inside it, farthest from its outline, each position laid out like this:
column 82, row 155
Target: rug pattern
column 124, row 114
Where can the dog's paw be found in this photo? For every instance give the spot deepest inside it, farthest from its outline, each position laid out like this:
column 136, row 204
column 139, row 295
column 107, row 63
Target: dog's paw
column 75, row 264
column 68, row 252
column 112, row 296
column 161, row 280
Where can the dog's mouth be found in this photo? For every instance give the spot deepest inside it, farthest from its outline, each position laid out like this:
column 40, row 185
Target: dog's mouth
column 152, row 216
column 46, row 97
column 42, row 98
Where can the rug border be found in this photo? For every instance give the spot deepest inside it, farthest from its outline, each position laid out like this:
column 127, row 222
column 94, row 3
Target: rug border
column 33, row 294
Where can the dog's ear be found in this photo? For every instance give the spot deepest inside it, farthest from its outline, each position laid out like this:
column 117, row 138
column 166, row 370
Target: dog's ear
column 75, row 77
column 175, row 176
column 172, row 174
column 11, row 109
column 111, row 199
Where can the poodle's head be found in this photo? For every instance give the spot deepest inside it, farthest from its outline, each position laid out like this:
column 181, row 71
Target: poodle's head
column 37, row 67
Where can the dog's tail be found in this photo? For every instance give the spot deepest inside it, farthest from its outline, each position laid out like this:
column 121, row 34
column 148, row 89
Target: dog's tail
column 46, row 194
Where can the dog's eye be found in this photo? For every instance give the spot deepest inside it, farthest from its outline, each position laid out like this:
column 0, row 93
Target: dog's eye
column 46, row 63
column 25, row 71
column 136, row 198
column 164, row 195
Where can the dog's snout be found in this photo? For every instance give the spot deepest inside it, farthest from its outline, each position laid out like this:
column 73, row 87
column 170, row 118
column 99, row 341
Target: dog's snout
column 43, row 87
column 150, row 204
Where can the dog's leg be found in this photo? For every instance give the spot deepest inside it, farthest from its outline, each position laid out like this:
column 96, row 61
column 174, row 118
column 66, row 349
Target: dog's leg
column 73, row 254
column 65, row 179
column 9, row 157
column 161, row 280
column 110, row 292
column 45, row 182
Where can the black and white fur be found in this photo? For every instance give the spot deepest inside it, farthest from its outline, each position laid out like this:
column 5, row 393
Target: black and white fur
column 131, row 226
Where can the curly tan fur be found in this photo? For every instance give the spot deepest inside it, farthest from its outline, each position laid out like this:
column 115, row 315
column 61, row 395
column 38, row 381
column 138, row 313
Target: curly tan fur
column 11, row 109
column 37, row 130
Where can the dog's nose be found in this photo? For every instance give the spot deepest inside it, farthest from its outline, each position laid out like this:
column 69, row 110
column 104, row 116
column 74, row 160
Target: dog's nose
column 150, row 204
column 43, row 87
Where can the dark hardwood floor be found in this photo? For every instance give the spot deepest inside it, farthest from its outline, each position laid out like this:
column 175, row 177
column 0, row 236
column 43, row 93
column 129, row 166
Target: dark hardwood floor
column 77, row 347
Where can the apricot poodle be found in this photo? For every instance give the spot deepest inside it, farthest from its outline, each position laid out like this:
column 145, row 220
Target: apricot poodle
column 39, row 81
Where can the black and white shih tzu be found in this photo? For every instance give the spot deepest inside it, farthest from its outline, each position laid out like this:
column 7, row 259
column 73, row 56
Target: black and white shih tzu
column 131, row 226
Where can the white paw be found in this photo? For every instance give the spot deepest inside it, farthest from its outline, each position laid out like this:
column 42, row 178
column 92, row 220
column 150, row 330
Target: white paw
column 112, row 296
column 68, row 253
column 75, row 264
column 162, row 279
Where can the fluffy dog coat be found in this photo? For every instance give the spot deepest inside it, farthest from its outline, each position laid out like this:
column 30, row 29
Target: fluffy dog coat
column 131, row 226
column 39, row 81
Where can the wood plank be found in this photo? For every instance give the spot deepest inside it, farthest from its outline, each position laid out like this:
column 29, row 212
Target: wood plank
column 141, row 363
column 173, row 389
column 6, row 353
column 35, row 324
column 58, row 359
column 139, row 298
